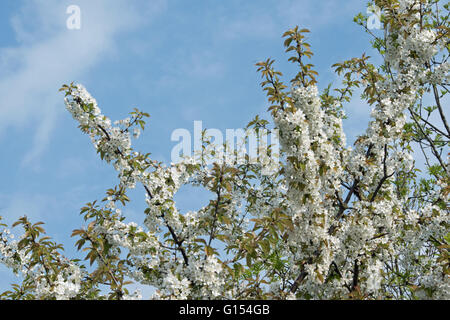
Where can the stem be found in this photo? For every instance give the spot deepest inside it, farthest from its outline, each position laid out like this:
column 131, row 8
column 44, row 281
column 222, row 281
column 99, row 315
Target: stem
column 113, row 277
column 172, row 233
column 441, row 112
column 432, row 146
column 385, row 175
column 216, row 208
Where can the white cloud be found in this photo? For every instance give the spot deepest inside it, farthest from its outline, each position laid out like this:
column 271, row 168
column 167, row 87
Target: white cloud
column 48, row 55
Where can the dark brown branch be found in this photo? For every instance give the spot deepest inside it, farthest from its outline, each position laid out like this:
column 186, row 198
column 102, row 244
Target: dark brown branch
column 172, row 232
column 430, row 124
column 113, row 277
column 301, row 276
column 355, row 276
column 441, row 112
column 216, row 208
column 385, row 175
column 177, row 241
column 342, row 208
column 432, row 146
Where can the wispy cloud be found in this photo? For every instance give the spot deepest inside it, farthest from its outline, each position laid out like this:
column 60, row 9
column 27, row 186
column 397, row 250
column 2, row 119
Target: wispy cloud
column 249, row 24
column 250, row 21
column 34, row 206
column 47, row 55
column 315, row 15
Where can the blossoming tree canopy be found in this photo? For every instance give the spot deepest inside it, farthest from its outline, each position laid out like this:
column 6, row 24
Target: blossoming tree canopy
column 336, row 221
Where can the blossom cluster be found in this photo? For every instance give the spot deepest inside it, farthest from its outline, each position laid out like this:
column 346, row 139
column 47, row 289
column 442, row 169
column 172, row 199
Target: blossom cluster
column 333, row 221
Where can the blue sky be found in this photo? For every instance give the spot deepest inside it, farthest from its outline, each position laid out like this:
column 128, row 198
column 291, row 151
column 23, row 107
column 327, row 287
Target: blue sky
column 178, row 60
